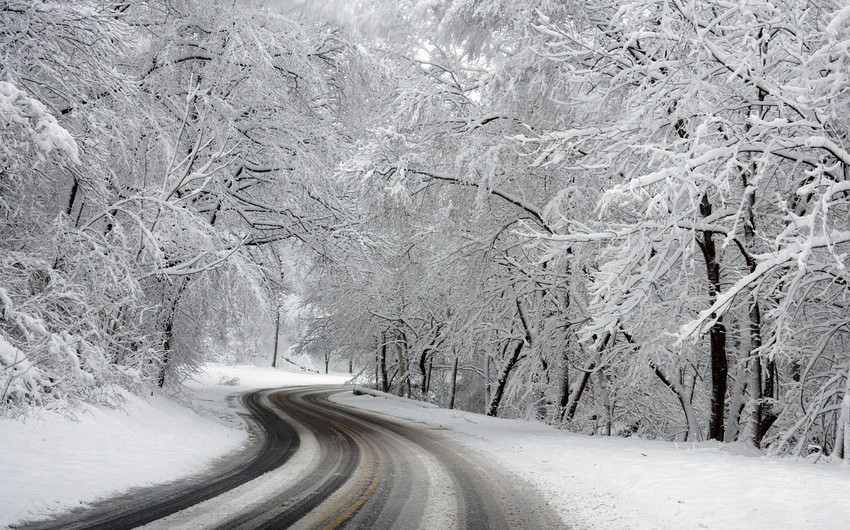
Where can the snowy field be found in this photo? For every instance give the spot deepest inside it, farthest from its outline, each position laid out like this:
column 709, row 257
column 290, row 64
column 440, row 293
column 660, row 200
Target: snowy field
column 51, row 463
column 609, row 483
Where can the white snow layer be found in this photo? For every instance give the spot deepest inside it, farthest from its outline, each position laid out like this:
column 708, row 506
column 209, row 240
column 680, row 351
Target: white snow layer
column 50, row 463
column 596, row 482
column 43, row 130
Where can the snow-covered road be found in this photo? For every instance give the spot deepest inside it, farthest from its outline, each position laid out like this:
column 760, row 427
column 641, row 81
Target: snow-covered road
column 50, row 464
column 355, row 469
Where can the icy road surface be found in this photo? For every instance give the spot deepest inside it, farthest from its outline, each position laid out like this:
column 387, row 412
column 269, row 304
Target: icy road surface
column 326, row 466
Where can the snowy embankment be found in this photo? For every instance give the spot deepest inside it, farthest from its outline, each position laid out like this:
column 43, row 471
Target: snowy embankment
column 51, row 463
column 608, row 483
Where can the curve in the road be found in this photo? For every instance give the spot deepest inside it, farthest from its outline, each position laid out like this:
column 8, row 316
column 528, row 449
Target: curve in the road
column 139, row 507
column 371, row 472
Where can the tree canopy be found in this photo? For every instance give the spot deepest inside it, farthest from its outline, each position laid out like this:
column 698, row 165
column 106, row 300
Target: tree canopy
column 619, row 216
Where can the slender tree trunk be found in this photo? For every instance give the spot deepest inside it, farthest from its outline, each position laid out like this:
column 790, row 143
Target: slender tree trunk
column 428, row 379
column 454, row 384
column 764, row 374
column 606, row 401
column 717, row 334
column 694, row 431
column 763, row 377
column 423, row 372
column 501, row 382
column 737, row 400
column 276, row 338
column 487, row 388
column 765, row 415
column 578, row 390
column 575, row 395
column 168, row 331
column 404, row 376
column 75, row 186
column 385, row 384
column 842, row 431
column 564, row 394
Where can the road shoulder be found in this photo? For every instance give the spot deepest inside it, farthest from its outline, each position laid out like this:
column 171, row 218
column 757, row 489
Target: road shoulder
column 597, row 482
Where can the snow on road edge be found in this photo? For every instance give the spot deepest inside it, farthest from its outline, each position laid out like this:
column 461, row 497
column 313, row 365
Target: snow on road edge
column 596, row 482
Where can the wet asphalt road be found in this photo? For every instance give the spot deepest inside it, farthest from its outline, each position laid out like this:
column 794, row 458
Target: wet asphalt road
column 318, row 464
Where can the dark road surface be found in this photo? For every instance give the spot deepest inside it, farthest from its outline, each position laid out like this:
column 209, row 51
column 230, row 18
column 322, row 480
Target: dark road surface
column 324, row 465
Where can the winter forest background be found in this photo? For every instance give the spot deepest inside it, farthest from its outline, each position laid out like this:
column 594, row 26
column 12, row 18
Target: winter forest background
column 616, row 216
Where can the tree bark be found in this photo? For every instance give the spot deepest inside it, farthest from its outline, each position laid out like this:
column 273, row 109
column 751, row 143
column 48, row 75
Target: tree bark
column 404, row 376
column 487, row 388
column 575, row 395
column 501, row 382
column 842, row 431
column 168, row 331
column 564, row 394
column 385, row 384
column 606, row 401
column 737, row 401
column 423, row 372
column 276, row 338
column 454, row 385
column 75, row 186
column 694, row 431
column 717, row 334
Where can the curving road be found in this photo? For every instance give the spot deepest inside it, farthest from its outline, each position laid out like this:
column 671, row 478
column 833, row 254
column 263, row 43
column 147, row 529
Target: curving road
column 324, row 465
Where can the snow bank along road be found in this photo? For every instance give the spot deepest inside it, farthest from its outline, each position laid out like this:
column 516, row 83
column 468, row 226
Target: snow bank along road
column 325, row 465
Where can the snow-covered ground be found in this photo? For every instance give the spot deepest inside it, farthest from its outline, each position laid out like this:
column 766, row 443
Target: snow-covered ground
column 629, row 483
column 50, row 463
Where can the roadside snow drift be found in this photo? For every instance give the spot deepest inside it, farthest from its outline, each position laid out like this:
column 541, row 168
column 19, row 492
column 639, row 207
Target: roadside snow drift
column 606, row 483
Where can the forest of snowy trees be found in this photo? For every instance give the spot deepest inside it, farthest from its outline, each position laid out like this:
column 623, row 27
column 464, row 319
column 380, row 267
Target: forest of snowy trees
column 616, row 216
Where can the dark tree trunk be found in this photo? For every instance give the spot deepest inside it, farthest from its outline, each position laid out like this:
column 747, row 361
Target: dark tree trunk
column 765, row 383
column 166, row 344
column 428, row 379
column 488, row 390
column 575, row 396
column 564, row 398
column 423, row 371
column 168, row 331
column 276, row 335
column 454, row 384
column 75, row 186
column 717, row 334
column 385, row 384
column 501, row 382
column 764, row 375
